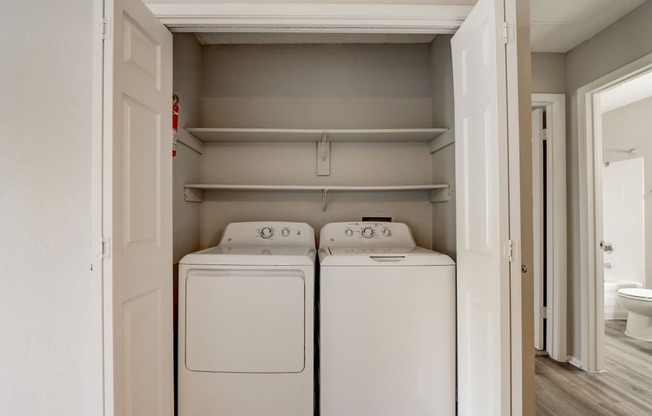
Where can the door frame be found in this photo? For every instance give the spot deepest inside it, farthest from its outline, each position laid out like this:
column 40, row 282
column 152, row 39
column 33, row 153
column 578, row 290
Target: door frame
column 320, row 18
column 311, row 17
column 556, row 218
column 589, row 133
column 97, row 202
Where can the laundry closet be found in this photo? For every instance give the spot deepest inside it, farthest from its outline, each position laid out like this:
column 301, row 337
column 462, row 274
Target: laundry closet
column 313, row 128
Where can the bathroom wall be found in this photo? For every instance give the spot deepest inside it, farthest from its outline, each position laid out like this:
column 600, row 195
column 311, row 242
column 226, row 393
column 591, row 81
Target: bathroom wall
column 625, row 128
column 624, row 218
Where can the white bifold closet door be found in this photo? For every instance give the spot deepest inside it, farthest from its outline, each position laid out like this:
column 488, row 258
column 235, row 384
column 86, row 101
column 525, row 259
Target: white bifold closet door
column 137, row 212
column 483, row 209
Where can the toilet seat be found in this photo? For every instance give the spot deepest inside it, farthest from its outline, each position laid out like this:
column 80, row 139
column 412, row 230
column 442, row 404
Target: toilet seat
column 636, row 293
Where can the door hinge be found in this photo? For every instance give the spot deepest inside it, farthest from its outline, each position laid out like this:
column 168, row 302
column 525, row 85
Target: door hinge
column 508, row 32
column 104, row 248
column 545, row 134
column 106, row 29
column 509, row 251
column 543, row 312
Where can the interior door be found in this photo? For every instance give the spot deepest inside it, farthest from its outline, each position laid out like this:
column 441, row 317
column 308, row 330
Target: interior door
column 137, row 212
column 483, row 213
column 538, row 204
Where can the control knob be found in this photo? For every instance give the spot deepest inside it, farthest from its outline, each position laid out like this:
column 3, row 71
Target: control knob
column 348, row 232
column 387, row 232
column 285, row 232
column 367, row 232
column 266, row 233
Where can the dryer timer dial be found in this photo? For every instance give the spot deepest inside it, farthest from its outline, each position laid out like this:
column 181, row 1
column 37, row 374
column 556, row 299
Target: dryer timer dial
column 266, row 233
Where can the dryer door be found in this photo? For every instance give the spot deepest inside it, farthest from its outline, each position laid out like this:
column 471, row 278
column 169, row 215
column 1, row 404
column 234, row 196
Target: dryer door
column 245, row 321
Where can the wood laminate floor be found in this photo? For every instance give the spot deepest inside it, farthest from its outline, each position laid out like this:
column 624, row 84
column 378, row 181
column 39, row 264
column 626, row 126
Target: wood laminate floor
column 624, row 389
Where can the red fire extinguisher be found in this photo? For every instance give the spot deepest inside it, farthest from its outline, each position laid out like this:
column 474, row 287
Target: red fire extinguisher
column 175, row 123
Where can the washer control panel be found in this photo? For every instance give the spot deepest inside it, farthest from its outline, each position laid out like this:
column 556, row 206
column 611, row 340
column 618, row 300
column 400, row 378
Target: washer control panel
column 367, row 233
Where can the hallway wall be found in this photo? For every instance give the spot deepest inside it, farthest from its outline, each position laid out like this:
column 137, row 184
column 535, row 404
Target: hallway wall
column 625, row 41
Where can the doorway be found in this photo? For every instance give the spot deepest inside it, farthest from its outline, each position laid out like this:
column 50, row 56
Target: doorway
column 592, row 100
column 549, row 219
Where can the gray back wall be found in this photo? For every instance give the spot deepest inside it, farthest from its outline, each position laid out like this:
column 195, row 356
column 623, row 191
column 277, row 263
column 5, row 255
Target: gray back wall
column 316, row 86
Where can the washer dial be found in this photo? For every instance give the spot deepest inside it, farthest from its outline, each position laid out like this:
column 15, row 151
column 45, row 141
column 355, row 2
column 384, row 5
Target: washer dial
column 367, row 232
column 387, row 232
column 348, row 232
column 285, row 232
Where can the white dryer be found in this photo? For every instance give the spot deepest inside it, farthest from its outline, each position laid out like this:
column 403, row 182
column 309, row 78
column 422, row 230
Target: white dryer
column 387, row 323
column 246, row 311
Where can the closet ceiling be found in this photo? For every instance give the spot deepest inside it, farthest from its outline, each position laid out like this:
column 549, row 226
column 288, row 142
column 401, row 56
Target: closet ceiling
column 285, row 38
column 557, row 25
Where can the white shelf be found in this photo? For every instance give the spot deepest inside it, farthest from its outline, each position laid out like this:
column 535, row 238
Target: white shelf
column 438, row 192
column 314, row 135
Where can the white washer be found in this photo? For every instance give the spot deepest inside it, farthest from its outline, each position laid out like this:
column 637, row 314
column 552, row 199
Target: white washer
column 246, row 310
column 387, row 323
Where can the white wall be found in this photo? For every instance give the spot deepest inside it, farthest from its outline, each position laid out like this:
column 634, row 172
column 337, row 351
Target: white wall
column 626, row 128
column 46, row 346
column 625, row 41
column 623, row 217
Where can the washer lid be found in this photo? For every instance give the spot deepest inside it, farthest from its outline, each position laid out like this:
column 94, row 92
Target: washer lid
column 382, row 255
column 369, row 250
column 636, row 293
column 277, row 255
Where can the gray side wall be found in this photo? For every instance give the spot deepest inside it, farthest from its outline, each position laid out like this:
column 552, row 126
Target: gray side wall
column 625, row 41
column 549, row 73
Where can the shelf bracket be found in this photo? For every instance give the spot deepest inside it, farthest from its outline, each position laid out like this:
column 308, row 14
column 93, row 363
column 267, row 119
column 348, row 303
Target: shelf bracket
column 193, row 194
column 324, row 202
column 440, row 195
column 324, row 156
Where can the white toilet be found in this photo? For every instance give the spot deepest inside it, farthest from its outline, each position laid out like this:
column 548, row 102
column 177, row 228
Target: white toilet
column 639, row 304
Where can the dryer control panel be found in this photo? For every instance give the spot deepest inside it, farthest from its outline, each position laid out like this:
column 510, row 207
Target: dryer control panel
column 366, row 233
column 268, row 233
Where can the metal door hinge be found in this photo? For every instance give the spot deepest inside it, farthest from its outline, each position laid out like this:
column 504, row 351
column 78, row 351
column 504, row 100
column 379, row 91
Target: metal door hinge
column 104, row 248
column 106, row 29
column 543, row 312
column 508, row 32
column 545, row 134
column 509, row 251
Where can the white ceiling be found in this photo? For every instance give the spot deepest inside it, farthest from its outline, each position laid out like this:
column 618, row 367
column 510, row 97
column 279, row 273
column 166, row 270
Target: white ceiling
column 626, row 93
column 209, row 38
column 557, row 25
column 560, row 25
